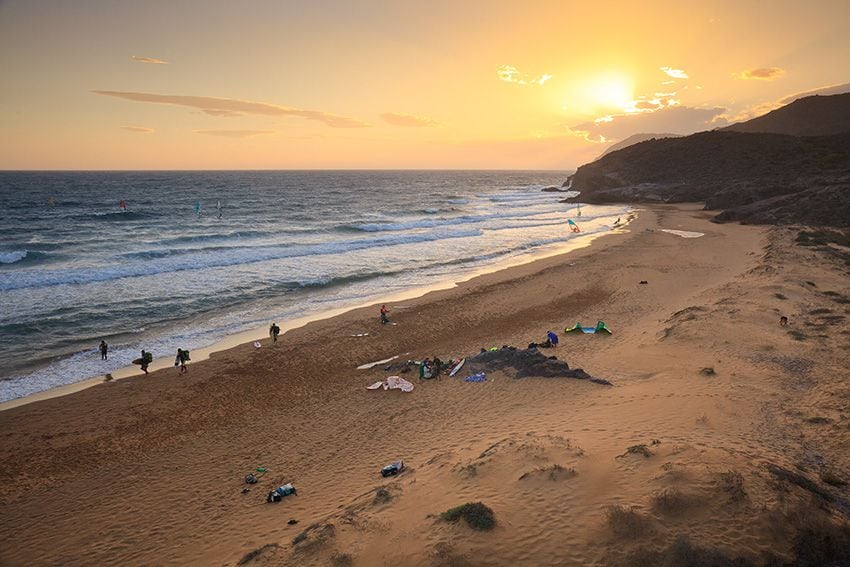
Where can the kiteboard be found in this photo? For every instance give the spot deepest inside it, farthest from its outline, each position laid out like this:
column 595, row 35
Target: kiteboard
column 457, row 367
column 369, row 365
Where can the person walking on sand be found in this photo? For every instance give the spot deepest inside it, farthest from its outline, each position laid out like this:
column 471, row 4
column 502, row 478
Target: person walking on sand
column 103, row 348
column 384, row 318
column 147, row 358
column 180, row 360
column 274, row 331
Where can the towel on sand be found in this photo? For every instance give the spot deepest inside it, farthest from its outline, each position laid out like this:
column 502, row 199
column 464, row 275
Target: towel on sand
column 479, row 377
column 392, row 383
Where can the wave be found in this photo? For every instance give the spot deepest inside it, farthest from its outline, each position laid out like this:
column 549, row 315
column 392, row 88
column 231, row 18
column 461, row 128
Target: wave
column 12, row 257
column 115, row 216
column 432, row 223
column 212, row 259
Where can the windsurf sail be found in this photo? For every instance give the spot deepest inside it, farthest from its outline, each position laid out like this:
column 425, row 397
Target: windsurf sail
column 573, row 226
column 198, row 208
column 122, row 205
column 218, row 207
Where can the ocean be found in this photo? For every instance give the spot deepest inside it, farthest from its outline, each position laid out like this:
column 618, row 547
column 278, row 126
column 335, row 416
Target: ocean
column 176, row 270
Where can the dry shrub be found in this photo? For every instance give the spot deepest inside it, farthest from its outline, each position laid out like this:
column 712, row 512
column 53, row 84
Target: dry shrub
column 626, row 522
column 342, row 560
column 251, row 555
column 314, row 537
column 382, row 496
column 670, row 501
column 478, row 515
column 684, row 553
column 733, row 483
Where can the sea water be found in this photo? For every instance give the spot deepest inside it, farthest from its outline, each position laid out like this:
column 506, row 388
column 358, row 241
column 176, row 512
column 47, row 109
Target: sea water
column 76, row 269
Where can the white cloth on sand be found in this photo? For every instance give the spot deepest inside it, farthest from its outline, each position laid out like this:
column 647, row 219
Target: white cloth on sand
column 392, row 383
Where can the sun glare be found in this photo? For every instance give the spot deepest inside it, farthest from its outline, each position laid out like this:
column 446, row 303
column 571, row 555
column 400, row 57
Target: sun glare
column 607, row 93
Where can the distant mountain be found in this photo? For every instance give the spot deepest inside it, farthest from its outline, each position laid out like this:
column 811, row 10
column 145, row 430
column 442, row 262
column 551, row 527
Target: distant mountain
column 636, row 139
column 809, row 116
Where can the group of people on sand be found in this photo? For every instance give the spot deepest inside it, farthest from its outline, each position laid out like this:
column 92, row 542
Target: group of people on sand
column 146, row 358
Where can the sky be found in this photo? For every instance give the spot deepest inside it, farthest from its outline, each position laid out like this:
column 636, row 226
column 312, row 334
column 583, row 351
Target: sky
column 214, row 84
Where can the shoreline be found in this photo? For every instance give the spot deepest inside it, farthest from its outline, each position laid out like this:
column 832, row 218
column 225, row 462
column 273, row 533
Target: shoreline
column 719, row 429
column 248, row 337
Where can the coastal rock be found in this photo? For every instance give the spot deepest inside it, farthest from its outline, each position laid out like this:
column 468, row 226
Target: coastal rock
column 756, row 176
column 553, row 189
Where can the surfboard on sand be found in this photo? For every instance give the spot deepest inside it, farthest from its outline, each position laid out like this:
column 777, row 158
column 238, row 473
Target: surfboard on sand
column 369, row 365
column 457, row 367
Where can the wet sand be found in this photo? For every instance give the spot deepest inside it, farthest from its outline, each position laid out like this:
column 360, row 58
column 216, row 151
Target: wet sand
column 149, row 470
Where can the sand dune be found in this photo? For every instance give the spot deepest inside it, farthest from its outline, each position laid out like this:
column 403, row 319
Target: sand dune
column 722, row 435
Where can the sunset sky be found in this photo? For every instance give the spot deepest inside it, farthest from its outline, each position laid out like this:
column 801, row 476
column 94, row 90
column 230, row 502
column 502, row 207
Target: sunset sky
column 456, row 84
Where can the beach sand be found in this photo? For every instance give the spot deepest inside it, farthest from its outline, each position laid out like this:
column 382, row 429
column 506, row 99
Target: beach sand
column 738, row 427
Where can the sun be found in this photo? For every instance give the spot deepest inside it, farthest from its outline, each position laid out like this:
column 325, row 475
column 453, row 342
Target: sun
column 611, row 92
column 603, row 93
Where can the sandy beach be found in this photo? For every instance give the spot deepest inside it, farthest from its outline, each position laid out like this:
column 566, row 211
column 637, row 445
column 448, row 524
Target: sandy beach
column 723, row 433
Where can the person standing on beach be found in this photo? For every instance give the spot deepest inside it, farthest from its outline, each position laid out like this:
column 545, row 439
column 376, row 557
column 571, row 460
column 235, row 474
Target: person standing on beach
column 274, row 331
column 146, row 359
column 182, row 357
column 103, row 348
column 384, row 318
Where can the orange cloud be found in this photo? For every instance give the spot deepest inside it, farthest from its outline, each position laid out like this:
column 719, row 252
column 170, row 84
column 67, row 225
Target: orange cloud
column 140, row 59
column 510, row 74
column 404, row 119
column 675, row 73
column 830, row 90
column 233, row 107
column 234, row 133
column 674, row 119
column 140, row 129
column 761, row 74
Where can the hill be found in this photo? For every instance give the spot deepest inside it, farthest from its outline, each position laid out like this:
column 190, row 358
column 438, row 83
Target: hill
column 635, row 139
column 809, row 116
column 755, row 177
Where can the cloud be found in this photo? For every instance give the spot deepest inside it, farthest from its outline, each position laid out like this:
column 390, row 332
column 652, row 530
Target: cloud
column 216, row 106
column 140, row 129
column 761, row 74
column 674, row 119
column 404, row 119
column 234, row 133
column 765, row 107
column 148, row 60
column 823, row 91
column 510, row 74
column 675, row 73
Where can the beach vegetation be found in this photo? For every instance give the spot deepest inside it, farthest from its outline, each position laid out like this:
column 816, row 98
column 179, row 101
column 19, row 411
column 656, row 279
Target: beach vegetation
column 641, row 449
column 342, row 560
column 251, row 555
column 670, row 501
column 477, row 515
column 732, row 482
column 831, row 478
column 382, row 496
column 626, row 522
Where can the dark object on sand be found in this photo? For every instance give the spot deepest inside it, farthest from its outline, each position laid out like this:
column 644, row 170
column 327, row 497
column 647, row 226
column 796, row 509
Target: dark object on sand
column 783, row 321
column 280, row 492
column 392, row 469
column 529, row 362
column 643, row 282
column 292, row 522
column 250, row 479
column 707, row 371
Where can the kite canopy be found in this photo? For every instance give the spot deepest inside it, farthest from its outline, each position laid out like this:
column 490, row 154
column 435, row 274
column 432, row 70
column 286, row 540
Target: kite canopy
column 600, row 328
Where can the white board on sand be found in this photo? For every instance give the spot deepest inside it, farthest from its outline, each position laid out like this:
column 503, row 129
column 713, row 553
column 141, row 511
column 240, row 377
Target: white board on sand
column 683, row 233
column 369, row 365
column 458, row 367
